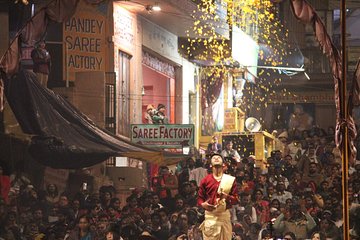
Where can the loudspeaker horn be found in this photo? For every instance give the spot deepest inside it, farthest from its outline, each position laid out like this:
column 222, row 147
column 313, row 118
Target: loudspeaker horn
column 252, row 124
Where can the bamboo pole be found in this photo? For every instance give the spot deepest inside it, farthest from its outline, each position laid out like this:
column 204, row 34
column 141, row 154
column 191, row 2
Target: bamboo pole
column 344, row 115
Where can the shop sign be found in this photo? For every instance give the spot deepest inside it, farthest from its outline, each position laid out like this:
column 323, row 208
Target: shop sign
column 84, row 39
column 125, row 27
column 160, row 41
column 304, row 97
column 158, row 65
column 163, row 136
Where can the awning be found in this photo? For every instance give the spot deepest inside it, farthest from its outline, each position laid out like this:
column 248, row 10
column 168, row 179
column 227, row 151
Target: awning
column 63, row 137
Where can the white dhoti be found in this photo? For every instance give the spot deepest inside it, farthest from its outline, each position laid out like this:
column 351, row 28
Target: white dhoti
column 217, row 224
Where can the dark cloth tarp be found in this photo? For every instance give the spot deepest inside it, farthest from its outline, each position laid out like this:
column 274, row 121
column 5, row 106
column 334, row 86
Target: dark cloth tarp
column 63, row 137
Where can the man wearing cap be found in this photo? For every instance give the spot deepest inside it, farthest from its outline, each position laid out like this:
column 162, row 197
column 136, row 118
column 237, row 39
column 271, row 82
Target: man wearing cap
column 159, row 117
column 217, row 193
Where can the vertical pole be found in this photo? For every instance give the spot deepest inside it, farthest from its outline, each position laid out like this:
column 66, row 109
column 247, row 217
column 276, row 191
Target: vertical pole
column 344, row 115
column 66, row 65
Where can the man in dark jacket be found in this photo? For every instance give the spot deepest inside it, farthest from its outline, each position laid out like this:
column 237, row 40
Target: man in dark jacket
column 42, row 62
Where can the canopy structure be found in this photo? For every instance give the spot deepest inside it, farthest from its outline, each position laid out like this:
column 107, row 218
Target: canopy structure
column 63, row 137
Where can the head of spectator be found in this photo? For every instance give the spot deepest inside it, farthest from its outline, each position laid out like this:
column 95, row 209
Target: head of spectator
column 193, row 187
column 276, row 155
column 173, row 218
column 113, row 232
column 95, row 208
column 289, row 236
column 164, row 170
column 228, row 145
column 294, row 212
column 106, row 197
column 63, row 201
column 52, row 190
column 115, row 203
column 31, row 231
column 150, row 109
column 258, row 195
column 75, row 205
column 275, row 203
column 193, row 216
column 288, row 160
column 132, row 201
column 318, row 235
column 103, row 222
column 83, row 225
column 262, row 180
column 313, row 168
column 164, row 217
column 283, row 137
column 190, row 162
column 183, row 222
column 185, row 188
column 161, row 108
column 280, row 187
column 37, row 214
column 270, row 190
column 215, row 139
column 155, row 220
column 179, row 204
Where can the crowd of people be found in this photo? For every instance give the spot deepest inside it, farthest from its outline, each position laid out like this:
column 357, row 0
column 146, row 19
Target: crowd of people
column 297, row 195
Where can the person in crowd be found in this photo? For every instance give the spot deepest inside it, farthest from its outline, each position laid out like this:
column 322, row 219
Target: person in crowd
column 329, row 229
column 82, row 231
column 160, row 116
column 184, row 174
column 164, row 184
column 281, row 194
column 42, row 62
column 262, row 207
column 106, row 199
column 300, row 119
column 4, row 185
column 51, row 194
column 189, row 198
column 214, row 146
column 313, row 175
column 38, row 219
column 113, row 232
column 296, row 220
column 217, row 193
column 150, row 112
column 229, row 153
column 199, row 172
column 289, row 236
column 318, row 236
column 245, row 207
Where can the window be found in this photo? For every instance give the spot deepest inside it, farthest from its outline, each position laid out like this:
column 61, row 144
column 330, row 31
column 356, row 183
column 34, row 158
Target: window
column 124, row 94
column 110, row 102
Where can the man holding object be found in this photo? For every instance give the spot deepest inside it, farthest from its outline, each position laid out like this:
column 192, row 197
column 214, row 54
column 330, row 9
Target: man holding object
column 217, row 192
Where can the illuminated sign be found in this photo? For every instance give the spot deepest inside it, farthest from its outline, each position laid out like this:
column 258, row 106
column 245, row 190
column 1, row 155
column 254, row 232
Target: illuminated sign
column 84, row 43
column 163, row 136
column 245, row 50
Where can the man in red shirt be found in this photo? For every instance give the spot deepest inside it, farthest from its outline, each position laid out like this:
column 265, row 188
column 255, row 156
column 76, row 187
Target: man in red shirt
column 217, row 192
column 4, row 186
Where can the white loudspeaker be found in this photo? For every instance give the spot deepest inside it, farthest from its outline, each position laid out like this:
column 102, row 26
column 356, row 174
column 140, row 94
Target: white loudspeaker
column 252, row 124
